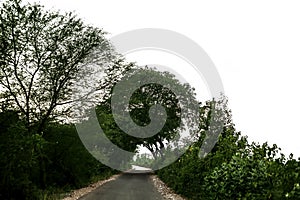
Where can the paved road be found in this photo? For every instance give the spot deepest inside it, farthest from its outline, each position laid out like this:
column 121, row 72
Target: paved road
column 129, row 186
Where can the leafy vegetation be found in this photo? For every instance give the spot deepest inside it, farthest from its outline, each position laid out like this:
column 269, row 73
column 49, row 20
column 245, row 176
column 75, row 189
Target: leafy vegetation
column 234, row 169
column 65, row 160
column 42, row 54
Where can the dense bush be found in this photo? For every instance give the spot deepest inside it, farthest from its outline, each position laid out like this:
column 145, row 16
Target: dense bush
column 31, row 165
column 234, row 169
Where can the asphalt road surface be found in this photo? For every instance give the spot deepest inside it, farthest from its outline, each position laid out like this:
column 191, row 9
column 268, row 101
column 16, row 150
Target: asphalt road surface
column 128, row 186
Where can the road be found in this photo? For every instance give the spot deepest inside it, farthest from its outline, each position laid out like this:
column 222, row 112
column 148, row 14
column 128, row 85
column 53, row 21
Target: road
column 135, row 185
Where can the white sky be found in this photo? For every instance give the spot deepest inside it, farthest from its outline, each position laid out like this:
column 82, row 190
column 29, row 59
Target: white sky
column 255, row 46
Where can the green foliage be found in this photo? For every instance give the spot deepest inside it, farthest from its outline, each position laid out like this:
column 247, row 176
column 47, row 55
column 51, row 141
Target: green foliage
column 234, row 169
column 17, row 161
column 66, row 161
column 112, row 131
column 42, row 54
column 140, row 102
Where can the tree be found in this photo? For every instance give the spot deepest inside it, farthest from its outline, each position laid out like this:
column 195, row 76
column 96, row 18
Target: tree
column 42, row 55
column 179, row 105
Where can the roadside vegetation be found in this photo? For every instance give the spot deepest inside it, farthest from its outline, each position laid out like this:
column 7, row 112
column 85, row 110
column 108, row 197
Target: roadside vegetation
column 234, row 169
column 42, row 54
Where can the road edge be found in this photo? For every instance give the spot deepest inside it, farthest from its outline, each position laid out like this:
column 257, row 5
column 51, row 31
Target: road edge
column 76, row 194
column 164, row 190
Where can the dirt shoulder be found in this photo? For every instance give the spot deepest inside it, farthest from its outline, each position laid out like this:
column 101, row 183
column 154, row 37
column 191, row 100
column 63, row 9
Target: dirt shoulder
column 76, row 194
column 164, row 190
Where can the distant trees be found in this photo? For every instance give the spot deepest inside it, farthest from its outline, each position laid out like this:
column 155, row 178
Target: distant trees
column 178, row 100
column 179, row 105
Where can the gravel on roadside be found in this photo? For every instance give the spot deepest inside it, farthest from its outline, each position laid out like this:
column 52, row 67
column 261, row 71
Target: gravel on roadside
column 164, row 190
column 76, row 194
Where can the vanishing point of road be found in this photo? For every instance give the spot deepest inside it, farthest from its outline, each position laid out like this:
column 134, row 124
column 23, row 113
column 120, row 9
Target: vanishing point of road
column 128, row 186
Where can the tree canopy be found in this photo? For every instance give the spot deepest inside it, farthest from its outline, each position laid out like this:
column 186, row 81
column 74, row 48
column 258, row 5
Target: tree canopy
column 43, row 53
column 177, row 104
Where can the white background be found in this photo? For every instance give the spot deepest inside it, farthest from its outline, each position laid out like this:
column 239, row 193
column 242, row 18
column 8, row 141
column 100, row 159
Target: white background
column 255, row 46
